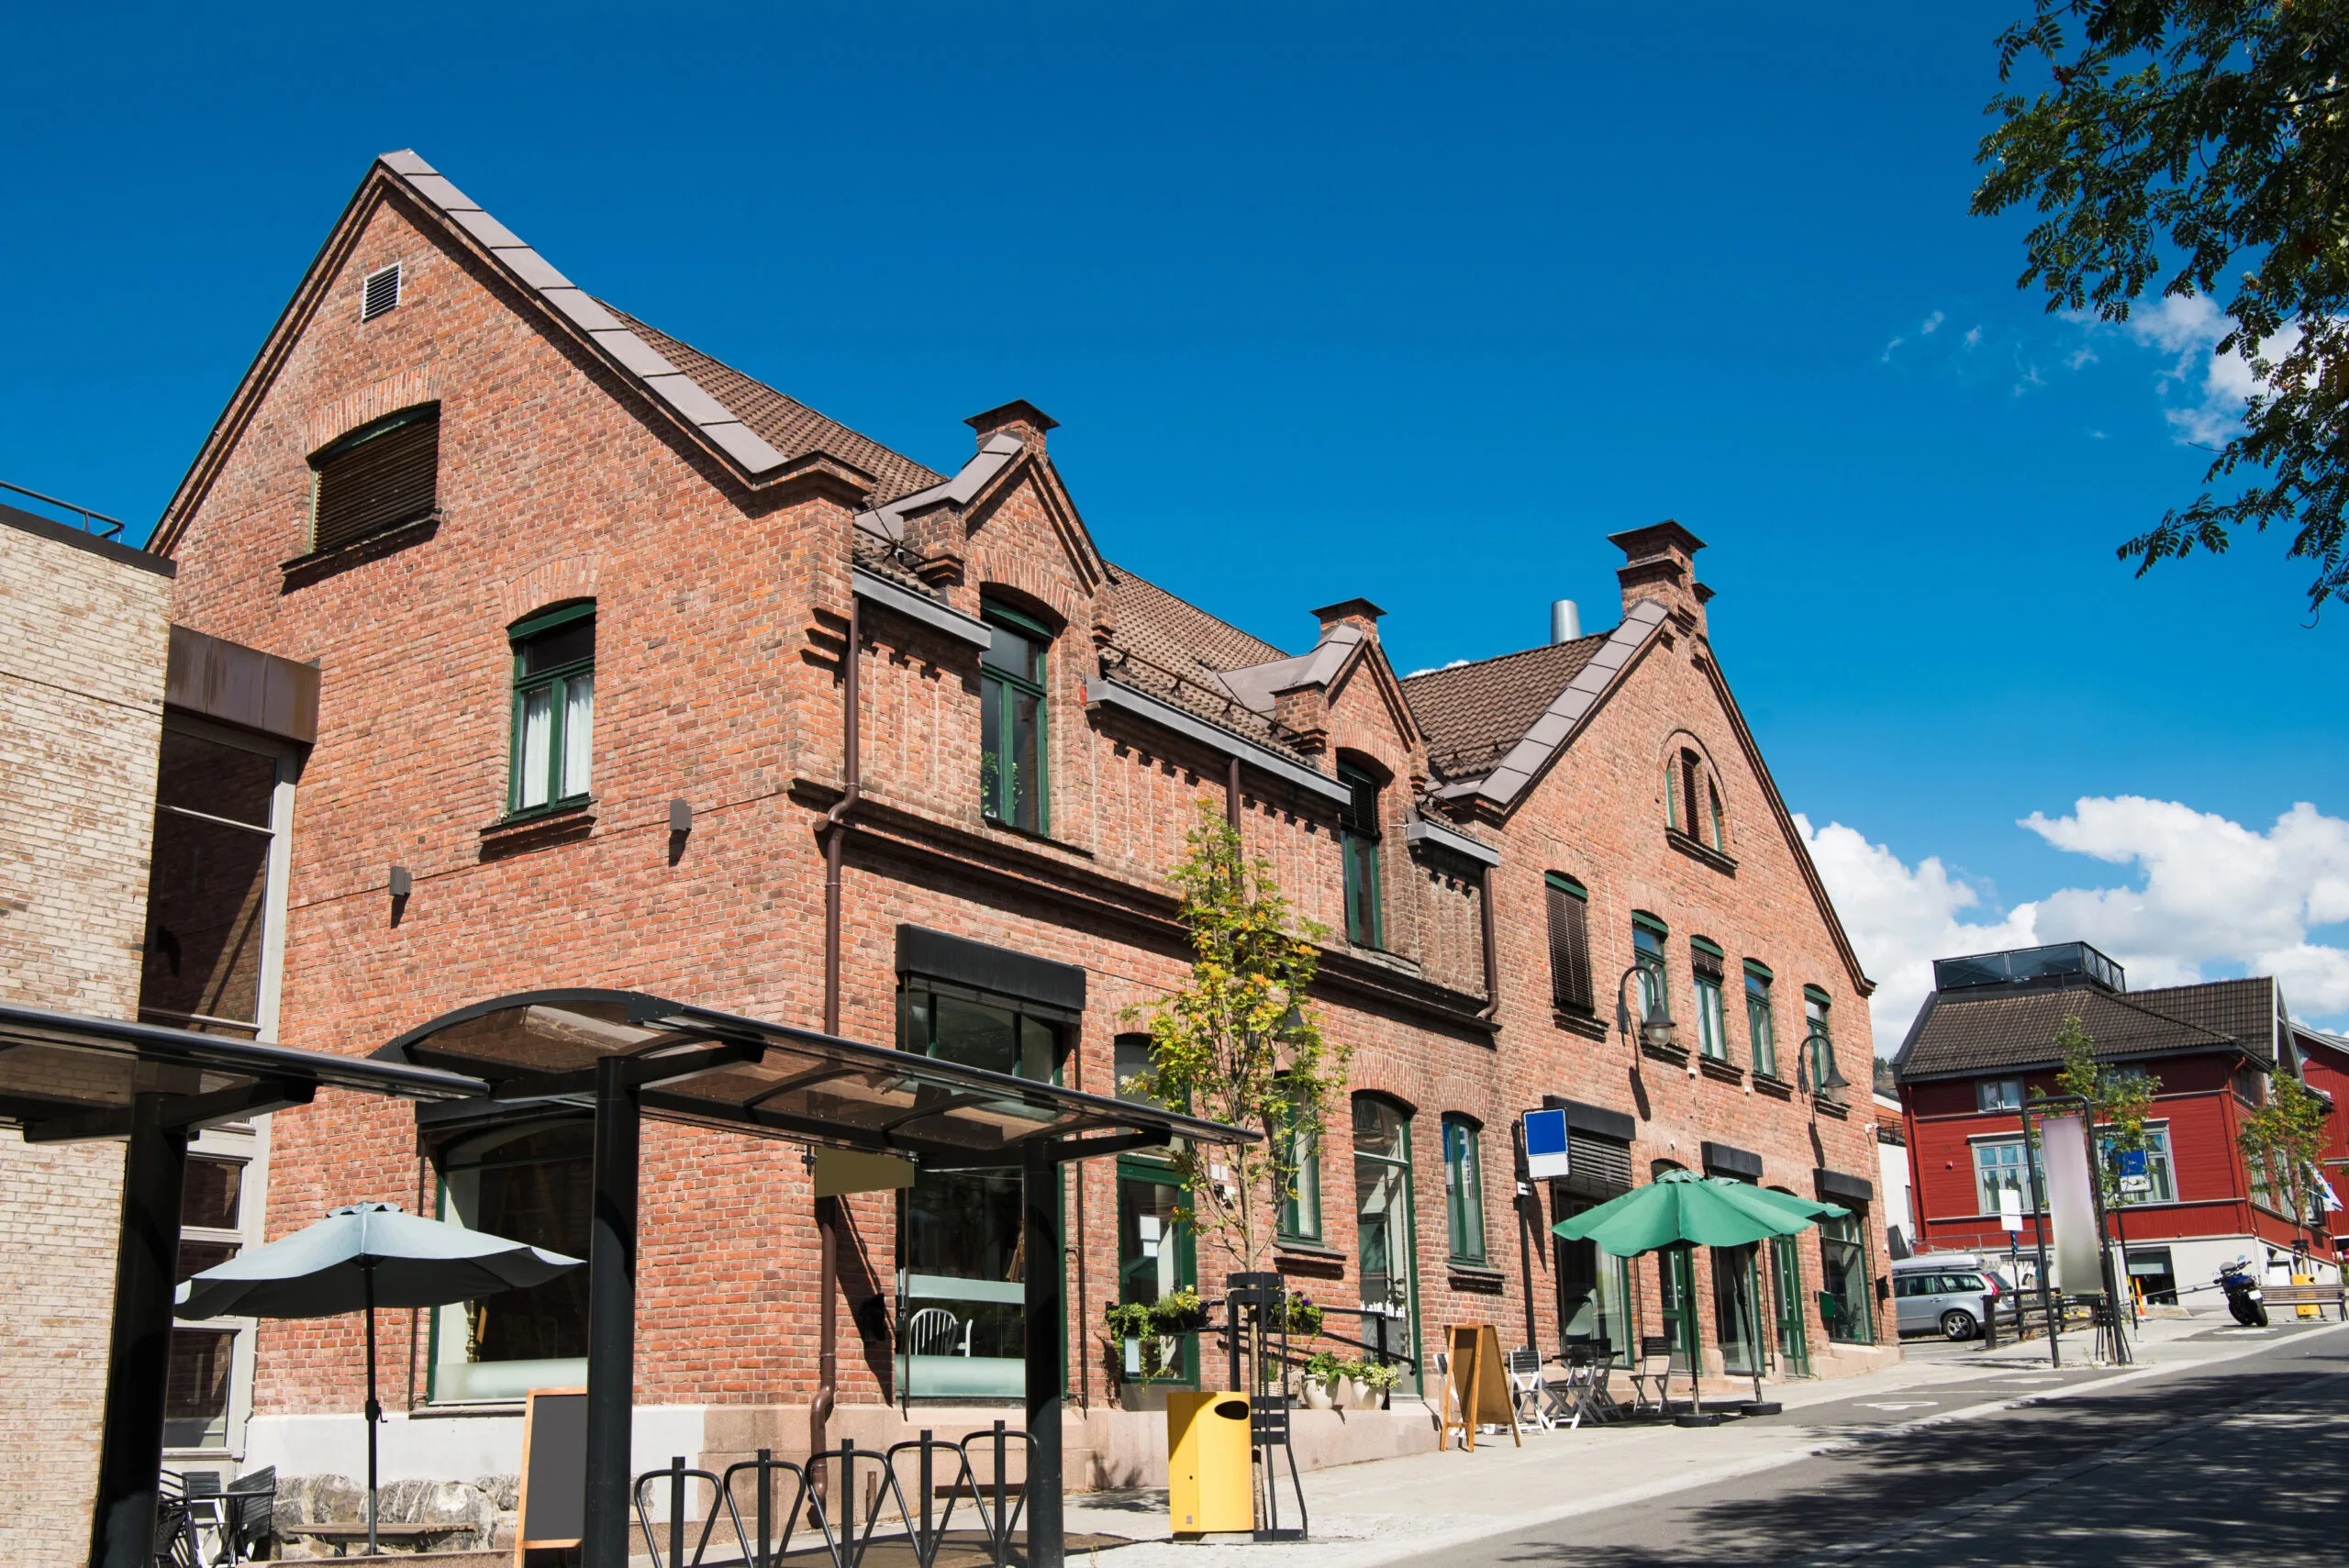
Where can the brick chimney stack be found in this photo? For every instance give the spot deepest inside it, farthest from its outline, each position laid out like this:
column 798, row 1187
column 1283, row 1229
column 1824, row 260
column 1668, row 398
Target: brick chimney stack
column 1359, row 613
column 1019, row 418
column 1660, row 564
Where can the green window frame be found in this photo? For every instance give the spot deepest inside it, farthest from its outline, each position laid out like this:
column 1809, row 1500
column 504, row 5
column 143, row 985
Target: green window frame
column 1015, row 746
column 1358, row 834
column 552, row 735
column 1707, row 963
column 1463, row 1189
column 1761, row 1027
column 1298, row 1216
column 1648, row 937
column 1817, row 1037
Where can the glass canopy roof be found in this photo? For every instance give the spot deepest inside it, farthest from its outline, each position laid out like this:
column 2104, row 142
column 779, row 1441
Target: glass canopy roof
column 542, row 1046
column 65, row 1076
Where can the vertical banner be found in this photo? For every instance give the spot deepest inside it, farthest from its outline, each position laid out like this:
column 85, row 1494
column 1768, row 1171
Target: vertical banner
column 2071, row 1204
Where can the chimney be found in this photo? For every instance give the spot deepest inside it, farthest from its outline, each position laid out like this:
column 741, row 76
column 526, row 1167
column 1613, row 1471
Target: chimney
column 1019, row 418
column 1350, row 612
column 1660, row 564
column 1565, row 621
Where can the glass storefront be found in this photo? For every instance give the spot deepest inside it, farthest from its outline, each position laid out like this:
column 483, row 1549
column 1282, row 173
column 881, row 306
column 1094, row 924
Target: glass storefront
column 1737, row 1311
column 532, row 1183
column 960, row 1236
column 1155, row 1259
column 1843, row 1276
column 1594, row 1289
column 1383, row 1237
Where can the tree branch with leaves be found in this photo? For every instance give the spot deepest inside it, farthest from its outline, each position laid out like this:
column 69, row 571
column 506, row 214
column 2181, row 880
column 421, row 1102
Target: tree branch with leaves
column 1237, row 1043
column 2173, row 140
column 2282, row 1141
column 2119, row 1101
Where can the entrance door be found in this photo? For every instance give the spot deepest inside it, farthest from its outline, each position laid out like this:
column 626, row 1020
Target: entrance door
column 1676, row 1271
column 1785, row 1293
column 1155, row 1258
column 1736, row 1312
column 1382, row 1237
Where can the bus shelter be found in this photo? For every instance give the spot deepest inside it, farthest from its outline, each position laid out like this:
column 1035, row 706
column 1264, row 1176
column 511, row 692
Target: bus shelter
column 69, row 1079
column 626, row 1056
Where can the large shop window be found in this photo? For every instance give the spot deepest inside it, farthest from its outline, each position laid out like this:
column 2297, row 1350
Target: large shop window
column 1012, row 745
column 1760, row 1027
column 199, row 1386
column 1844, row 1297
column 1712, row 1021
column 376, row 478
column 959, row 1235
column 1570, row 979
column 1463, row 1189
column 216, row 886
column 529, row 1181
column 1385, row 1249
column 554, row 707
column 1358, row 836
column 1157, row 1252
column 1594, row 1288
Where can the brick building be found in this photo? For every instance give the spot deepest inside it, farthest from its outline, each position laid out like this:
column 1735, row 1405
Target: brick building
column 637, row 673
column 1983, row 1044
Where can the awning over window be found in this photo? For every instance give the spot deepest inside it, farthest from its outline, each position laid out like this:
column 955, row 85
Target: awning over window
column 65, row 1078
column 744, row 1076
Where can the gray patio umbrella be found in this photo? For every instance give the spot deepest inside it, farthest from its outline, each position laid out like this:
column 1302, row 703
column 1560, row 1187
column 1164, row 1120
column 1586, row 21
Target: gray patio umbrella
column 356, row 1259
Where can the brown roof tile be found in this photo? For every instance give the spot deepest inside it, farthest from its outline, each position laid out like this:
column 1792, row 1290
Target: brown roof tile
column 1175, row 651
column 1472, row 714
column 785, row 423
column 2243, row 1010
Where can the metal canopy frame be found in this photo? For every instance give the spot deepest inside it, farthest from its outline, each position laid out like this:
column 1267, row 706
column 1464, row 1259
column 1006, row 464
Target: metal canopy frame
column 629, row 1055
column 65, row 1078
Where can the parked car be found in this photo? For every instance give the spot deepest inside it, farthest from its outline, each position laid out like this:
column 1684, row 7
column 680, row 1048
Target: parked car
column 1948, row 1295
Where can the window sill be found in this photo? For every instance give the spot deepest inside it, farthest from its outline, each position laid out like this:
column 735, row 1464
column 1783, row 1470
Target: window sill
column 1475, row 1267
column 458, row 1411
column 1676, row 1054
column 1306, row 1248
column 320, row 564
column 1033, row 836
column 558, row 824
column 1588, row 1025
column 1773, row 1085
column 1722, row 1072
column 1835, row 1108
column 1475, row 1278
column 1697, row 850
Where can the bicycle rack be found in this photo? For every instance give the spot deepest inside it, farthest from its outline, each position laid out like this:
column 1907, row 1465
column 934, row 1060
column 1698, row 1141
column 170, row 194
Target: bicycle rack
column 767, row 1551
column 1000, row 1524
column 677, row 1476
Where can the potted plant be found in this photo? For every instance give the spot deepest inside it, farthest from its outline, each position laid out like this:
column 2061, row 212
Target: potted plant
column 1132, row 1327
column 1375, row 1379
column 1319, row 1379
column 1304, row 1316
column 1179, row 1312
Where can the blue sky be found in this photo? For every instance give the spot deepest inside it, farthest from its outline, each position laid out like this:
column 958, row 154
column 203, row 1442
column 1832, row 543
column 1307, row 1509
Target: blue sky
column 1417, row 303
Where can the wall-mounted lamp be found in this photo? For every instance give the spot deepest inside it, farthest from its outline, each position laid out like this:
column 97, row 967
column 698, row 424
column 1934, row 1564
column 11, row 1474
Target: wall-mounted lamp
column 1656, row 1028
column 681, row 816
column 402, row 883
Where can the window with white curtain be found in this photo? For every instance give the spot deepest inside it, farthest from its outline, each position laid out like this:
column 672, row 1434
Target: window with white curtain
column 555, row 706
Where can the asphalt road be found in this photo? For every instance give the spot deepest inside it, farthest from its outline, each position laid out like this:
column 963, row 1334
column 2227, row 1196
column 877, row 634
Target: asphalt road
column 2238, row 1463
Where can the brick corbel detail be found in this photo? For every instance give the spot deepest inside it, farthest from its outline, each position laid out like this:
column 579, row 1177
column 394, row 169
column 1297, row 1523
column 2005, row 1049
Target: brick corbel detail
column 548, row 583
column 344, row 415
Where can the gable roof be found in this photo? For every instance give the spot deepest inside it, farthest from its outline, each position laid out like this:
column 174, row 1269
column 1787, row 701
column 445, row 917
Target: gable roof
column 1959, row 1033
column 754, row 432
column 1475, row 711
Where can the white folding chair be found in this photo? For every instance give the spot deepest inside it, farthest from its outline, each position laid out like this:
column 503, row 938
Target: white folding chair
column 1529, row 1390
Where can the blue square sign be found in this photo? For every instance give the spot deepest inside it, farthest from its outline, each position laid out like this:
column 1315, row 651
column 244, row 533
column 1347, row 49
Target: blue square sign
column 1545, row 1145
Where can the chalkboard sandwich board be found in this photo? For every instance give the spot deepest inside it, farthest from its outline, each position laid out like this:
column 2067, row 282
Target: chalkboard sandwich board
column 552, row 1509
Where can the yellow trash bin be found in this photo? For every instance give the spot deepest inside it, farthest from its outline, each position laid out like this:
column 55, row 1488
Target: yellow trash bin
column 1210, row 1487
column 2307, row 1309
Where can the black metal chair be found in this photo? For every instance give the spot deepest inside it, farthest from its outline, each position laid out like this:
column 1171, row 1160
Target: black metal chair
column 251, row 1501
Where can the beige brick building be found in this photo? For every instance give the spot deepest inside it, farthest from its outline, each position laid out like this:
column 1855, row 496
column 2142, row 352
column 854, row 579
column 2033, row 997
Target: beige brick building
column 83, row 633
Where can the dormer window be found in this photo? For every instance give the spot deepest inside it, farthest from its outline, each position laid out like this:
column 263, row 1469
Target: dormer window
column 1358, row 839
column 1011, row 720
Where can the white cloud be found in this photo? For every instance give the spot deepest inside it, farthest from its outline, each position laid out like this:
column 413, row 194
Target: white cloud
column 2212, row 898
column 1886, row 358
column 1933, row 323
column 1974, row 337
column 2189, row 328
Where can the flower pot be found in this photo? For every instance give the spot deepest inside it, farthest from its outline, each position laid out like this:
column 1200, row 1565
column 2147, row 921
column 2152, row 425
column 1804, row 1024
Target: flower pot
column 1357, row 1394
column 1316, row 1393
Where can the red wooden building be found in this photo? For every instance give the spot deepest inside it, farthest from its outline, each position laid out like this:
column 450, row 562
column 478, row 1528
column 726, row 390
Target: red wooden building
column 1984, row 1043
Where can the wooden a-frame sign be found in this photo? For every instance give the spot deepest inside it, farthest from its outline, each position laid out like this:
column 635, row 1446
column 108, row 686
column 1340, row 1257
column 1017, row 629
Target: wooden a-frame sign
column 1475, row 1382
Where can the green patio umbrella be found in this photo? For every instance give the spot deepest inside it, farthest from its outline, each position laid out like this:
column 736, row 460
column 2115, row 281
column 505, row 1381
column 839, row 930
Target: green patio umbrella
column 1681, row 1209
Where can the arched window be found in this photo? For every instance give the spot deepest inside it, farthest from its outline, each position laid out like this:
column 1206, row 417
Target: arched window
column 554, row 707
column 1012, row 750
column 1648, row 935
column 1463, row 1188
column 1692, row 799
column 1818, row 1043
column 1761, row 1028
column 1386, row 1250
column 376, row 478
column 1571, row 990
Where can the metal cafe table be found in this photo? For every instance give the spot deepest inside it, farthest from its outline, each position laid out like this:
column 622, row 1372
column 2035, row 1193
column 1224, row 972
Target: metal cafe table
column 628, row 1055
column 69, row 1079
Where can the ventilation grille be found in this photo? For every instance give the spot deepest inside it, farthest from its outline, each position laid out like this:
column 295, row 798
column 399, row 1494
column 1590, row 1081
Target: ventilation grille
column 380, row 480
column 381, row 293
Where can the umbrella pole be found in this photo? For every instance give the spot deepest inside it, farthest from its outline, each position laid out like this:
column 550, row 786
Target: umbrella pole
column 374, row 1411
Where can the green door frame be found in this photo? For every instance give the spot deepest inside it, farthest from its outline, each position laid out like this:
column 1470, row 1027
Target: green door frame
column 1187, row 1260
column 1793, row 1340
column 1677, row 1282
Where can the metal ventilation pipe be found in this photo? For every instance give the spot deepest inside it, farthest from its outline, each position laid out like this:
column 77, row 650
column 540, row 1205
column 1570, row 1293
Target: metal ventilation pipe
column 1565, row 621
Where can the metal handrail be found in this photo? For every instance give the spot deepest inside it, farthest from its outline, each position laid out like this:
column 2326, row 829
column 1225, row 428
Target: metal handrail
column 114, row 525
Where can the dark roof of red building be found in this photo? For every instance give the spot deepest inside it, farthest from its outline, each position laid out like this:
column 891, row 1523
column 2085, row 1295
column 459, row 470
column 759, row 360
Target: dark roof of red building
column 1998, row 1029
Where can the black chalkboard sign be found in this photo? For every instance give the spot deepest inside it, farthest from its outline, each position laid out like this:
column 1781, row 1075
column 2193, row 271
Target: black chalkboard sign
column 552, row 1507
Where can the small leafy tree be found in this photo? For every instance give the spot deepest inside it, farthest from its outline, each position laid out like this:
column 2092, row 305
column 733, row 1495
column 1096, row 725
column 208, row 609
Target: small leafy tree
column 2282, row 1141
column 2119, row 1101
column 1237, row 1043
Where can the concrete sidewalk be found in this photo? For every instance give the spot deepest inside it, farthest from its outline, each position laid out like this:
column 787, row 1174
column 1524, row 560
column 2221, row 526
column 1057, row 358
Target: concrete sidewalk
column 1384, row 1511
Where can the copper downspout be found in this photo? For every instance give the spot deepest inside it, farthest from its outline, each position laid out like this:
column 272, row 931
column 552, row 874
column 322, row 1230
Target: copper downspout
column 1231, row 796
column 835, row 837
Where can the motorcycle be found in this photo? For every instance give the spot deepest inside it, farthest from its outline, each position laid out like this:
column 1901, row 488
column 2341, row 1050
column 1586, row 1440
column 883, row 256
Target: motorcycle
column 2245, row 1298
